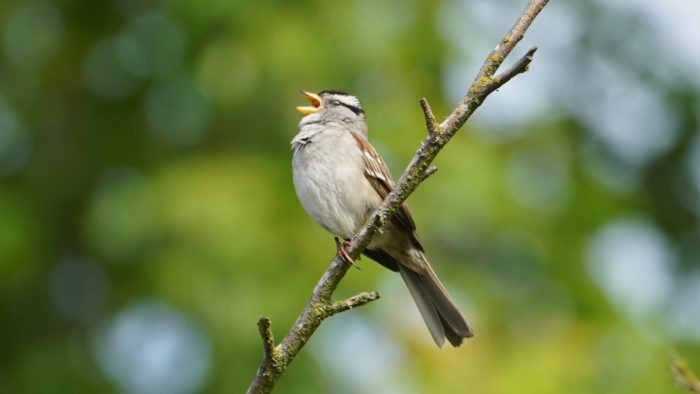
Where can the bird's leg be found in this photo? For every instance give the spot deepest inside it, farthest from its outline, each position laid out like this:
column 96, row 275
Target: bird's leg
column 341, row 246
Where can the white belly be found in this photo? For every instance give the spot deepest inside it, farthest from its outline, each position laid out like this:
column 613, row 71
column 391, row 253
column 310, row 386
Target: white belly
column 328, row 184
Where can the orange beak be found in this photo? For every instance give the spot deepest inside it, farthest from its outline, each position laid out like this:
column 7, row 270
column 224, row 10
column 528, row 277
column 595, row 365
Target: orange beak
column 315, row 101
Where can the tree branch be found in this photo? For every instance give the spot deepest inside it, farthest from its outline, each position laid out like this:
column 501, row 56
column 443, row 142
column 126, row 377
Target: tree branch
column 319, row 307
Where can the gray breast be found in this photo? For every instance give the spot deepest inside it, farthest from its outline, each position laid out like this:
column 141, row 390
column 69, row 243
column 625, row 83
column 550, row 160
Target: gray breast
column 327, row 175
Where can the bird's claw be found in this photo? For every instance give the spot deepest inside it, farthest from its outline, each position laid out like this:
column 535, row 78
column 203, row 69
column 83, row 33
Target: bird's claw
column 342, row 252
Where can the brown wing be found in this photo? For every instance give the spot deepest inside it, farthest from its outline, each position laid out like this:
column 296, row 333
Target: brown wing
column 379, row 176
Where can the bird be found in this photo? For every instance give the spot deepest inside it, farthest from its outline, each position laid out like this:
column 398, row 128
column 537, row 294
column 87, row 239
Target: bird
column 340, row 180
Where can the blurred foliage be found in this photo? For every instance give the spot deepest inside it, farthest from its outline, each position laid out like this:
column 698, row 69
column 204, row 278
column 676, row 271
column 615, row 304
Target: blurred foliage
column 148, row 216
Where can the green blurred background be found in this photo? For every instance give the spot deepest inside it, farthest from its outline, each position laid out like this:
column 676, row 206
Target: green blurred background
column 148, row 218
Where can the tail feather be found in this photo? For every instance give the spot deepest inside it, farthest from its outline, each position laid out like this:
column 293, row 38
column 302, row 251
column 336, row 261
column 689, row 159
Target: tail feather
column 441, row 315
column 445, row 305
column 453, row 337
column 422, row 298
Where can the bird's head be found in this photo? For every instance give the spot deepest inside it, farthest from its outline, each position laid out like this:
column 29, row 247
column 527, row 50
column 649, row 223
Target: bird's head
column 333, row 106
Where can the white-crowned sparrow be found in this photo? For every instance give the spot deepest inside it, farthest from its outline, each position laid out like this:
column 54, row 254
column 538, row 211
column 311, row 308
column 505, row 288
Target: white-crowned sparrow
column 340, row 180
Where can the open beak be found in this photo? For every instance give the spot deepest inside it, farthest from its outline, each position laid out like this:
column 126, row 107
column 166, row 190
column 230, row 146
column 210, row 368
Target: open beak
column 315, row 101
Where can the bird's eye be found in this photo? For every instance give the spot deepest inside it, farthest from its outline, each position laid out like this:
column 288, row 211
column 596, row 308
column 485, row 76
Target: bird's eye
column 335, row 102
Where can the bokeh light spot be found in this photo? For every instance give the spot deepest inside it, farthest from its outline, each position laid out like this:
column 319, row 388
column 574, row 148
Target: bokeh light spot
column 228, row 72
column 122, row 221
column 633, row 264
column 151, row 45
column 355, row 346
column 630, row 118
column 33, row 34
column 15, row 141
column 151, row 348
column 177, row 112
column 78, row 289
column 104, row 75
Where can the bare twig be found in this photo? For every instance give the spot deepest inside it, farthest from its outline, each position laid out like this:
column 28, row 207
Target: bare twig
column 430, row 123
column 681, row 373
column 268, row 340
column 428, row 172
column 320, row 306
column 352, row 302
column 518, row 67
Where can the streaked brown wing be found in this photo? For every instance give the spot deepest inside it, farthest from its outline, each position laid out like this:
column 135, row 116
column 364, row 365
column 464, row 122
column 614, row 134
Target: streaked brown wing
column 379, row 176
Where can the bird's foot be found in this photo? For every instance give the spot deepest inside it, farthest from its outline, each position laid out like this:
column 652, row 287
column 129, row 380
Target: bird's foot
column 342, row 252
